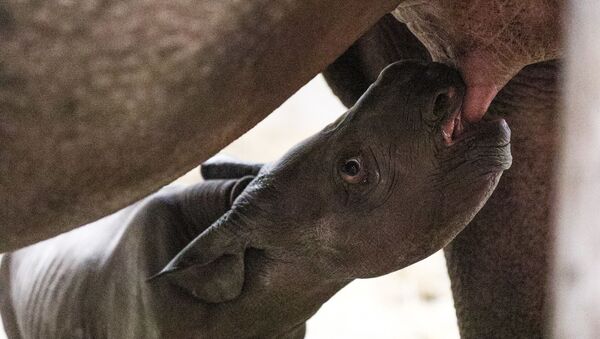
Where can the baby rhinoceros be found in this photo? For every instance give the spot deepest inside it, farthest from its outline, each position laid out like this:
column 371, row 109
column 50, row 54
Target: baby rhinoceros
column 257, row 252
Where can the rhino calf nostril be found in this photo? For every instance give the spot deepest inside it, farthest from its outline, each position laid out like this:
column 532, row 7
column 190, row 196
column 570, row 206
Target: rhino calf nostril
column 441, row 103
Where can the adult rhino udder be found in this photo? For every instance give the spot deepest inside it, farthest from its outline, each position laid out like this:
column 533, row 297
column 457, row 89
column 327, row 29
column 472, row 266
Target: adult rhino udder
column 489, row 42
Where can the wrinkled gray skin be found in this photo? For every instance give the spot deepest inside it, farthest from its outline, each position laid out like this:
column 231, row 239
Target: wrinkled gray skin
column 257, row 256
column 499, row 265
column 104, row 101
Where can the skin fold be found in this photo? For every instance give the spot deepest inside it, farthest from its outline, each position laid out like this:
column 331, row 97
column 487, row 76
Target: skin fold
column 101, row 105
column 255, row 251
column 488, row 41
column 499, row 264
column 103, row 102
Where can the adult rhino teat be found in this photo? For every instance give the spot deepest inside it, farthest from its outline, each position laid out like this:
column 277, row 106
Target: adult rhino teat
column 488, row 41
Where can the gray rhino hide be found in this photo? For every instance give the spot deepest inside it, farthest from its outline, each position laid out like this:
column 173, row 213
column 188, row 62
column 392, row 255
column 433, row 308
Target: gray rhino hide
column 256, row 256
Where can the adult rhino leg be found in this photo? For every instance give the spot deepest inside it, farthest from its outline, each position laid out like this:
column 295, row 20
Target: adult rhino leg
column 499, row 264
column 103, row 102
column 387, row 41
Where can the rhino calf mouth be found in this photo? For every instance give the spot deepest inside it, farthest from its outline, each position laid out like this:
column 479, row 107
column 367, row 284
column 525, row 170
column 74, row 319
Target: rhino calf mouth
column 487, row 138
column 486, row 142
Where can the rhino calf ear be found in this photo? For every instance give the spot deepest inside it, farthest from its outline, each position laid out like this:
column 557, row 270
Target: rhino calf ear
column 222, row 167
column 210, row 267
column 220, row 281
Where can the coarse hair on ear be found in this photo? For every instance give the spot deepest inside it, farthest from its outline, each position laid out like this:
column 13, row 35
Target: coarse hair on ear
column 210, row 267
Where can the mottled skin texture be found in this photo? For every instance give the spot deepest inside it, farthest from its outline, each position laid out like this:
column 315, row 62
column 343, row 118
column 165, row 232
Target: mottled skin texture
column 104, row 101
column 256, row 256
column 499, row 264
column 93, row 92
column 488, row 41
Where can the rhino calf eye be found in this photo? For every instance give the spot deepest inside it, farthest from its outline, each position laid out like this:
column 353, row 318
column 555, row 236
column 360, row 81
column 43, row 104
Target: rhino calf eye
column 351, row 167
column 352, row 171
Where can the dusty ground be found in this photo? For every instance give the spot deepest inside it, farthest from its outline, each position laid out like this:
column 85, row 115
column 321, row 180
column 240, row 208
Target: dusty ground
column 414, row 303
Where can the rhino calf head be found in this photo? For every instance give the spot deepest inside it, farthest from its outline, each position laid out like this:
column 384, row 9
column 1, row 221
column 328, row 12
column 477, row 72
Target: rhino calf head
column 373, row 192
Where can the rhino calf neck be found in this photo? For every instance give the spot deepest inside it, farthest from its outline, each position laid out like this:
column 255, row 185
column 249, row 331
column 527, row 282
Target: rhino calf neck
column 257, row 255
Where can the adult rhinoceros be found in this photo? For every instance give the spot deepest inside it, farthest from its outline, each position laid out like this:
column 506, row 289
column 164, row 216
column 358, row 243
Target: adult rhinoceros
column 104, row 101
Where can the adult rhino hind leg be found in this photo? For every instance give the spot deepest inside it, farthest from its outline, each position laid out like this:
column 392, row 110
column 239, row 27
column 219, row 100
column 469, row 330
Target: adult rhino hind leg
column 499, row 264
column 387, row 41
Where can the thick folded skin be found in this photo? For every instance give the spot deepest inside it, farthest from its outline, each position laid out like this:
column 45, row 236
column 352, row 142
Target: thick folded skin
column 499, row 264
column 103, row 102
column 488, row 41
column 49, row 293
column 389, row 40
column 227, row 258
